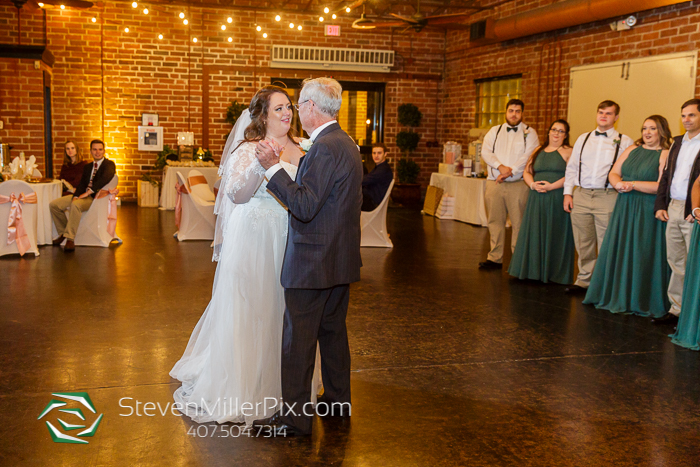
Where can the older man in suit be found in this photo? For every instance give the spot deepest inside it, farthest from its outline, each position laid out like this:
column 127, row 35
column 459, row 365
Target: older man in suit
column 322, row 256
column 95, row 177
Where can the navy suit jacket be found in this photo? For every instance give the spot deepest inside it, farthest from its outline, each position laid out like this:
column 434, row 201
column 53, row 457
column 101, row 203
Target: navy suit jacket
column 323, row 245
column 377, row 182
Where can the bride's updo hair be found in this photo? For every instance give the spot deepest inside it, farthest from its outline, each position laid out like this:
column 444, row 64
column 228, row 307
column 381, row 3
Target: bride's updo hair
column 259, row 106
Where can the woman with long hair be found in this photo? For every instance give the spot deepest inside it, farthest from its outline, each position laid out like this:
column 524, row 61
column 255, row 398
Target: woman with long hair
column 631, row 273
column 545, row 247
column 231, row 368
column 72, row 168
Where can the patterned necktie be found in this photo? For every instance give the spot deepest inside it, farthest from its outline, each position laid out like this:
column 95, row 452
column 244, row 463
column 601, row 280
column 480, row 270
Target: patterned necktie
column 601, row 133
column 94, row 171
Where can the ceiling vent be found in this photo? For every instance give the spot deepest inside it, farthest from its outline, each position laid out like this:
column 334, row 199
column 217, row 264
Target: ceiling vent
column 331, row 58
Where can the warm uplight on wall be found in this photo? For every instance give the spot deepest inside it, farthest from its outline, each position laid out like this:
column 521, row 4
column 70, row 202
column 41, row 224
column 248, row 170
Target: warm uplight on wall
column 347, row 10
column 326, row 10
column 126, row 29
column 185, row 22
column 182, row 15
column 264, row 35
column 160, row 36
column 320, row 18
column 230, row 39
column 145, row 11
column 194, row 39
column 134, row 5
column 94, row 20
column 278, row 17
column 229, row 20
column 258, row 29
column 223, row 27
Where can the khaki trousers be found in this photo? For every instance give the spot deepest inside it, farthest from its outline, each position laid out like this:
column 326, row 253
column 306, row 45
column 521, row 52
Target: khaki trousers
column 678, row 232
column 68, row 226
column 504, row 200
column 589, row 221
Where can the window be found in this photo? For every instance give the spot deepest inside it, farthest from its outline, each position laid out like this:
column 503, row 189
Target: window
column 361, row 113
column 492, row 94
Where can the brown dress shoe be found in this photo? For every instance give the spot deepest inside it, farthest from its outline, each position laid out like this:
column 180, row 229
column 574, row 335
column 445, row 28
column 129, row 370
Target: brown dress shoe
column 70, row 246
column 58, row 241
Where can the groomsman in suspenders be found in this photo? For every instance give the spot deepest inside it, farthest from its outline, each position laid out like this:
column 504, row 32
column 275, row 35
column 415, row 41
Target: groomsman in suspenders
column 506, row 149
column 588, row 195
column 673, row 203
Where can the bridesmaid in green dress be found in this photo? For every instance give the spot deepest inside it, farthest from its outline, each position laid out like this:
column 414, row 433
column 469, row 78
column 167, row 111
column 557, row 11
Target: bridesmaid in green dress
column 688, row 331
column 545, row 247
column 631, row 274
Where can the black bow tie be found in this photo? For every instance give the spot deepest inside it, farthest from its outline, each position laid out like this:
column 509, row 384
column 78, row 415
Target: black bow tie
column 512, row 128
column 601, row 133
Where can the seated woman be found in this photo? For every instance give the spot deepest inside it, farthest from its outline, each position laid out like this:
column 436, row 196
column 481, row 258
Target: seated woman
column 545, row 247
column 375, row 183
column 631, row 273
column 72, row 168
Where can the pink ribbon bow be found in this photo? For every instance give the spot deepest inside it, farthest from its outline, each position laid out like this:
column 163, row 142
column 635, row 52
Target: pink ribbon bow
column 178, row 204
column 112, row 210
column 15, row 223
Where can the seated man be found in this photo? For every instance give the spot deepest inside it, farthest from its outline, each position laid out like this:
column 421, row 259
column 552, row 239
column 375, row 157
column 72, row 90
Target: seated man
column 95, row 176
column 375, row 183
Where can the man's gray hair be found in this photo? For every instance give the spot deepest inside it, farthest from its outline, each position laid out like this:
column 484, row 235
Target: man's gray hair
column 326, row 93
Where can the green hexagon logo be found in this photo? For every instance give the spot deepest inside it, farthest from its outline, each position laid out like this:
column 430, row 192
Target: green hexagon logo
column 75, row 415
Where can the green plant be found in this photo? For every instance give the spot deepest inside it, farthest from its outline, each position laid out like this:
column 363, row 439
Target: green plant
column 407, row 141
column 409, row 115
column 407, row 170
column 163, row 156
column 149, row 178
column 234, row 111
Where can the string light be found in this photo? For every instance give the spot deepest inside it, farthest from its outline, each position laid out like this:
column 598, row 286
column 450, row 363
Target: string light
column 334, row 16
column 185, row 22
column 299, row 27
column 160, row 36
column 291, row 25
column 182, row 15
column 326, row 10
column 40, row 5
column 230, row 39
column 258, row 29
column 134, row 5
column 194, row 39
column 368, row 122
column 278, row 17
column 229, row 20
column 145, row 11
column 223, row 27
column 347, row 10
column 94, row 20
column 265, row 35
column 63, row 7
column 320, row 18
column 126, row 29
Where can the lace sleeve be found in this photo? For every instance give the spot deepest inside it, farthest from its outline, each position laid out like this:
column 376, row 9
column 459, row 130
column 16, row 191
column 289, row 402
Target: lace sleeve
column 243, row 174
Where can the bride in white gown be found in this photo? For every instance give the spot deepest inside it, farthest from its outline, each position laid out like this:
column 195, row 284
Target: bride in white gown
column 230, row 371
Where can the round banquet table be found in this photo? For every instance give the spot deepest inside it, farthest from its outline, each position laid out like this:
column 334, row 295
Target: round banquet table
column 45, row 193
column 168, row 196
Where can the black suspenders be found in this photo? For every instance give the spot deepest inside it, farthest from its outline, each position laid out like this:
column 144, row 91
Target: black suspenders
column 527, row 127
column 580, row 158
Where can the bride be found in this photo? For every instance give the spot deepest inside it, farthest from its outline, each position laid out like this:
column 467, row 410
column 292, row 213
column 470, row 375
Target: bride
column 230, row 371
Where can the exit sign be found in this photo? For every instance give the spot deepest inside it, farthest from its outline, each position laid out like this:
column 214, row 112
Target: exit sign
column 332, row 30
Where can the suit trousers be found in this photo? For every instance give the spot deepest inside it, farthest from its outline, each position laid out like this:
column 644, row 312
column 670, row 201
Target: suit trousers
column 678, row 231
column 68, row 226
column 589, row 221
column 504, row 200
column 313, row 315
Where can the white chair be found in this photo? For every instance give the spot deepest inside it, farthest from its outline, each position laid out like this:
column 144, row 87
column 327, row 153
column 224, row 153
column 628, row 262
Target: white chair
column 98, row 225
column 373, row 224
column 197, row 218
column 199, row 185
column 25, row 196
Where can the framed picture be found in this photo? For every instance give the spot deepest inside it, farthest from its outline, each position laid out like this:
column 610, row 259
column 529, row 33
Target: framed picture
column 149, row 119
column 150, row 138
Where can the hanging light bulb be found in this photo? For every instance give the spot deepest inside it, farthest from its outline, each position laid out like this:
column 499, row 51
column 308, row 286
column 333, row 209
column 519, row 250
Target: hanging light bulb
column 258, row 29
column 185, row 22
column 223, row 27
column 181, row 15
column 347, row 10
column 194, row 39
column 134, row 4
column 278, row 17
column 326, row 10
column 291, row 25
column 334, row 16
column 145, row 11
column 299, row 27
column 126, row 29
column 94, row 20
column 160, row 36
column 229, row 20
column 265, row 35
column 320, row 18
column 230, row 39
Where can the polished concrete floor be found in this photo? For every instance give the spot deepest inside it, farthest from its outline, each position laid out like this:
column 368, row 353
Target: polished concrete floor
column 451, row 366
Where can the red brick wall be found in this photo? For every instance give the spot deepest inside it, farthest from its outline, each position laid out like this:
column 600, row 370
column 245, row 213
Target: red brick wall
column 104, row 78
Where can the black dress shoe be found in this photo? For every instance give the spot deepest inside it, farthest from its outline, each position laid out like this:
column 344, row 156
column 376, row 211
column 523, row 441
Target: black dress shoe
column 668, row 318
column 575, row 290
column 58, row 241
column 488, row 264
column 274, row 427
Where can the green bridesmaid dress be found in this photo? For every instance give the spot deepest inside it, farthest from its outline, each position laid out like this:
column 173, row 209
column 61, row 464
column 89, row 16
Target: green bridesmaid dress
column 688, row 333
column 631, row 274
column 545, row 247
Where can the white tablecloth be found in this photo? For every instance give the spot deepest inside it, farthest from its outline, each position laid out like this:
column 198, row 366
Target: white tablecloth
column 168, row 197
column 45, row 193
column 468, row 192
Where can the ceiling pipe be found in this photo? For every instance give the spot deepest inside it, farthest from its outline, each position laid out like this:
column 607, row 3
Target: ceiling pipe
column 565, row 14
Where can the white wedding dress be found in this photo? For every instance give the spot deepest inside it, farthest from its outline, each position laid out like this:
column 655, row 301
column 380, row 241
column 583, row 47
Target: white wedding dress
column 231, row 368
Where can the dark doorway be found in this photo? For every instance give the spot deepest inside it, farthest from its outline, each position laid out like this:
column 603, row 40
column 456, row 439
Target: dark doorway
column 48, row 141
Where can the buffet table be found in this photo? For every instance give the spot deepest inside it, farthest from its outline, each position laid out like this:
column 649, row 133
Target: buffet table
column 469, row 196
column 168, row 196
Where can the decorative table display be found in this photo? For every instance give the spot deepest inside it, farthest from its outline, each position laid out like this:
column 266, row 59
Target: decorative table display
column 467, row 193
column 168, row 196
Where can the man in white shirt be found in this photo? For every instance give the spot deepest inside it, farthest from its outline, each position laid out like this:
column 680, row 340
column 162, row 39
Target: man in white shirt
column 673, row 203
column 506, row 150
column 588, row 195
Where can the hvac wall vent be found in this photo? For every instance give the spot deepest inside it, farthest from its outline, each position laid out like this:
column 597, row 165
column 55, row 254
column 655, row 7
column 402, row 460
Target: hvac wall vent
column 329, row 58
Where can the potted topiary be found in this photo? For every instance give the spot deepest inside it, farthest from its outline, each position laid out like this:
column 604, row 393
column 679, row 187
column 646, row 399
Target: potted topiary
column 407, row 191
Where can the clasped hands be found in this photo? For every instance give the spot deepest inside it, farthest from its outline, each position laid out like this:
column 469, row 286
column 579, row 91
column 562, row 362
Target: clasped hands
column 541, row 186
column 268, row 153
column 624, row 187
column 504, row 172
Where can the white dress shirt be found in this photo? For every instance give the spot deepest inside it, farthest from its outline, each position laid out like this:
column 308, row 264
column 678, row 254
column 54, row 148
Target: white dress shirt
column 511, row 148
column 273, row 170
column 684, row 164
column 596, row 161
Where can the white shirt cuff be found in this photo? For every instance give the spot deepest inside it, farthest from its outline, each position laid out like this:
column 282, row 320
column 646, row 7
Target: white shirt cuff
column 272, row 170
